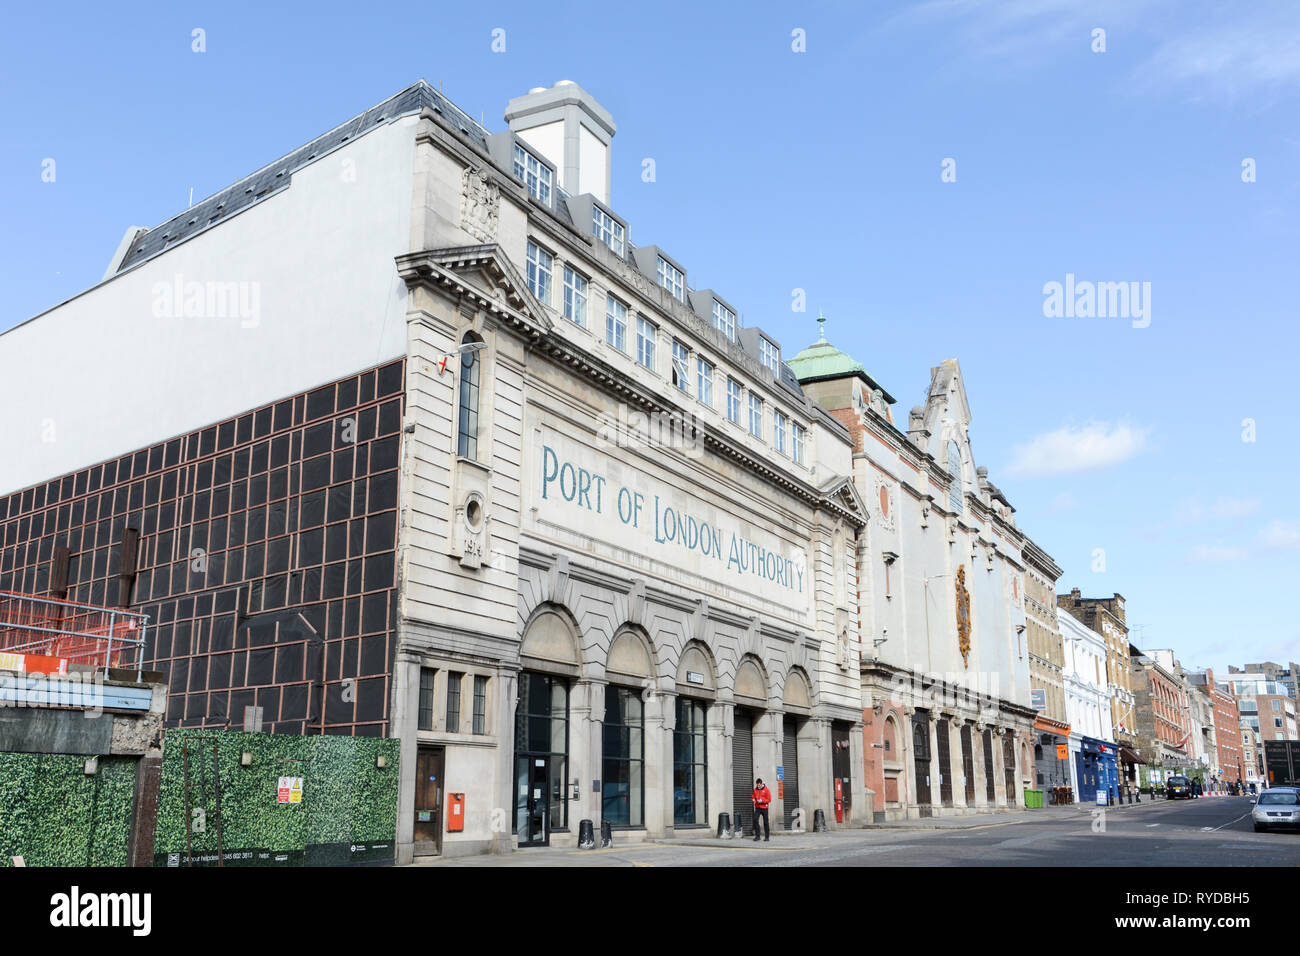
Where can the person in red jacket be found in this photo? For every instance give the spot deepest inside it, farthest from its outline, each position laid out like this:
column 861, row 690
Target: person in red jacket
column 762, row 799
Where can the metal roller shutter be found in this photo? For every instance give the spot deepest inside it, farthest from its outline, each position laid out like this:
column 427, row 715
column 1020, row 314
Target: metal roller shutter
column 790, row 761
column 742, row 773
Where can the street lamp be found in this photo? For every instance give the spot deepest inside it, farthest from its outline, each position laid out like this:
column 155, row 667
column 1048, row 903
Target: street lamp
column 466, row 348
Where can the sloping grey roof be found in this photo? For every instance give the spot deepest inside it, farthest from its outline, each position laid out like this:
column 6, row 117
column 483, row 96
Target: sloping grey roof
column 277, row 175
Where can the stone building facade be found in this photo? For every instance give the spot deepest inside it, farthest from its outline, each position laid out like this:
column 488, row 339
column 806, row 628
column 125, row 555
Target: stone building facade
column 1046, row 669
column 947, row 721
column 1230, row 765
column 462, row 465
column 1106, row 616
column 1161, row 706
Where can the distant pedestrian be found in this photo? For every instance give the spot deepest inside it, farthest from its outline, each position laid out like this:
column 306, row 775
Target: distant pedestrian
column 762, row 800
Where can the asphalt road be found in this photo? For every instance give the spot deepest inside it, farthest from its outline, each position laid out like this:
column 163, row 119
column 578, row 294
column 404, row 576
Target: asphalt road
column 1210, row 831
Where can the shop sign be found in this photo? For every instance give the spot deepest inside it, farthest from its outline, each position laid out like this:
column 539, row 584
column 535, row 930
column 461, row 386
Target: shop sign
column 610, row 500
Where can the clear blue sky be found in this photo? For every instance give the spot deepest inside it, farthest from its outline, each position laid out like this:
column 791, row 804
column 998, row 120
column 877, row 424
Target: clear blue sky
column 821, row 170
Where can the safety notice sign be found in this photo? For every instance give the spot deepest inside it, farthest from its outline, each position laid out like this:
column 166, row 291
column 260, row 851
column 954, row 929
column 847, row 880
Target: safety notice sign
column 289, row 790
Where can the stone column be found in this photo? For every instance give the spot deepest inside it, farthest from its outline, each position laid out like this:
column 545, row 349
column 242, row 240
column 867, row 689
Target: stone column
column 503, row 716
column 958, row 765
column 586, row 719
column 863, row 798
column 816, row 771
column 721, row 719
column 767, row 756
column 999, row 773
column 403, row 725
column 661, row 718
column 907, row 756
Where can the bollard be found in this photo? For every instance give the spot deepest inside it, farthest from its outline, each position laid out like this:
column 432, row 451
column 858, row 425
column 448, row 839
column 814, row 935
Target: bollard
column 819, row 821
column 586, row 835
column 606, row 836
column 724, row 826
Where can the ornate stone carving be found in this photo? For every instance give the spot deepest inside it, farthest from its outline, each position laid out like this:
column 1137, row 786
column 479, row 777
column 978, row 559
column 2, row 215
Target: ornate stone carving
column 471, row 540
column 963, row 616
column 480, row 202
column 886, row 505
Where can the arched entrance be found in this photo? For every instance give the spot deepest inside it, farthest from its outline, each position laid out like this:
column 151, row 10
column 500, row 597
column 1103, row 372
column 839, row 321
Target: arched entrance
column 798, row 706
column 750, row 696
column 696, row 693
column 629, row 670
column 549, row 655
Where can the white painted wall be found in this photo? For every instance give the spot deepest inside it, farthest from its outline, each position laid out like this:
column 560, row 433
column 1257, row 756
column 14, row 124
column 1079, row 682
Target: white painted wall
column 593, row 165
column 1087, row 699
column 103, row 373
column 548, row 140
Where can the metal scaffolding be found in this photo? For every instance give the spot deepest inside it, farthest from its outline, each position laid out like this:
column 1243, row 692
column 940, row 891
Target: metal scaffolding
column 76, row 633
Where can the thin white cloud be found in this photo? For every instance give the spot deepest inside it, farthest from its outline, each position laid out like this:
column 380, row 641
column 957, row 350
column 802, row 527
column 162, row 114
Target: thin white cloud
column 1228, row 52
column 1258, row 53
column 1212, row 553
column 1281, row 535
column 1074, row 449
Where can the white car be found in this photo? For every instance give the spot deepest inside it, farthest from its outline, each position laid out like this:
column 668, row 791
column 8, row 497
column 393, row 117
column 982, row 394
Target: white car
column 1277, row 807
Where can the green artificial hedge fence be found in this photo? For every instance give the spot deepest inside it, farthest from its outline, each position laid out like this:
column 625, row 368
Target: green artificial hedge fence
column 53, row 814
column 348, row 811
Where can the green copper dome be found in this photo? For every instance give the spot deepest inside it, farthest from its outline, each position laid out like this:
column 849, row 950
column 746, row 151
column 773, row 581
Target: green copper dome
column 821, row 361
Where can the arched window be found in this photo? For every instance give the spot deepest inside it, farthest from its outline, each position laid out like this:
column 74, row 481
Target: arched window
column 955, row 496
column 467, row 424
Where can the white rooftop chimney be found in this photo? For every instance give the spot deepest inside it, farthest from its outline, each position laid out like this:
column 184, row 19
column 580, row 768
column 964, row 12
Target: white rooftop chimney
column 567, row 126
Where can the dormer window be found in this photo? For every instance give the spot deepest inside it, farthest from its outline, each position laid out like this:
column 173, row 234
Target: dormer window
column 672, row 279
column 535, row 174
column 769, row 354
column 724, row 320
column 607, row 230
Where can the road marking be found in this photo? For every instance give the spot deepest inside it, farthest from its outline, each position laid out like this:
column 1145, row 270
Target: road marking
column 1231, row 822
column 1153, row 824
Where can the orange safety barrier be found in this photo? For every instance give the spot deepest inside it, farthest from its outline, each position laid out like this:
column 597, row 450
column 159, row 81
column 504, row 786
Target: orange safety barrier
column 78, row 633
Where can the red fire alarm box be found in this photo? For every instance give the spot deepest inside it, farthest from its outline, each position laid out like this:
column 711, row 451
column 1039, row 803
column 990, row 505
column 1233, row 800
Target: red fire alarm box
column 455, row 812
